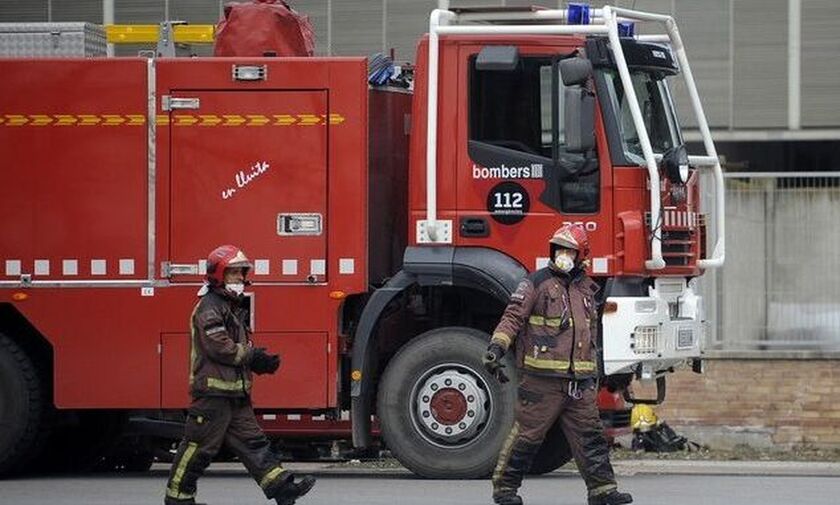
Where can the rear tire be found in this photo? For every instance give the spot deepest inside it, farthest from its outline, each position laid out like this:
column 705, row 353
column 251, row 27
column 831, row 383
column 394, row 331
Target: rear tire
column 22, row 408
column 553, row 453
column 416, row 406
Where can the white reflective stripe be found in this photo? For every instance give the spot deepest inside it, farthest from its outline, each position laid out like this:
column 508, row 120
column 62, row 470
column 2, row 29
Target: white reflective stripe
column 261, row 267
column 541, row 263
column 318, row 267
column 12, row 267
column 42, row 267
column 346, row 266
column 290, row 267
column 202, row 267
column 322, row 417
column 293, row 417
column 345, row 415
column 269, row 417
column 98, row 267
column 126, row 266
column 70, row 267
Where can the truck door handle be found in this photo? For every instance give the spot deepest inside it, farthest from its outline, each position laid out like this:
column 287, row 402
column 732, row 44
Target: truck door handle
column 474, row 227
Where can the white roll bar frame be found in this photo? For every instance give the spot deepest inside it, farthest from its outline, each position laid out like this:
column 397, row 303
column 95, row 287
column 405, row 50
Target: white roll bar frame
column 603, row 21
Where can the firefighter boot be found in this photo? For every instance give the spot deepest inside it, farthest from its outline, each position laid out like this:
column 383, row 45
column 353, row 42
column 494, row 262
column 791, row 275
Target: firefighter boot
column 613, row 497
column 507, row 498
column 292, row 490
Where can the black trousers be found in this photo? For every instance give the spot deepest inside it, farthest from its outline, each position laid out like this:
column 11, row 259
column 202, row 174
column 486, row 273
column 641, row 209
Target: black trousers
column 212, row 422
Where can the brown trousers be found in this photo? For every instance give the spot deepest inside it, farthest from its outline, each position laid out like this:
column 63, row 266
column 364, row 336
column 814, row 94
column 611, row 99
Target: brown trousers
column 542, row 402
column 212, row 422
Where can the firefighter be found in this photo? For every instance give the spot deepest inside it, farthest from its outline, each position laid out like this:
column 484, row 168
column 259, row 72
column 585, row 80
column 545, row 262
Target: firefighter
column 552, row 323
column 222, row 361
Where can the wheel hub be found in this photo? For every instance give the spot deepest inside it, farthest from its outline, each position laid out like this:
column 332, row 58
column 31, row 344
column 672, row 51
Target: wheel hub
column 450, row 406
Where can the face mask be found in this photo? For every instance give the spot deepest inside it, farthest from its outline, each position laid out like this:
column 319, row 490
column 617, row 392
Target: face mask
column 565, row 261
column 236, row 288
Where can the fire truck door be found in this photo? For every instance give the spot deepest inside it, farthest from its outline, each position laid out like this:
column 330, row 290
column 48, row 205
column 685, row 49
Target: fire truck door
column 249, row 168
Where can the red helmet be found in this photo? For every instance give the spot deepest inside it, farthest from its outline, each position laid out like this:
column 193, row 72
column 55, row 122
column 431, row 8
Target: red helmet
column 222, row 257
column 571, row 236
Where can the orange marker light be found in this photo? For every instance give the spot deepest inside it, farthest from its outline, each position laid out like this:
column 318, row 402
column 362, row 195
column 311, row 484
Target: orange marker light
column 356, row 375
column 610, row 307
column 338, row 295
column 19, row 296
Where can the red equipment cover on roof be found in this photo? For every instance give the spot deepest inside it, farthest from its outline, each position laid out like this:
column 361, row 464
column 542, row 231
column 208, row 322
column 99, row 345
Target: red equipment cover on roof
column 263, row 26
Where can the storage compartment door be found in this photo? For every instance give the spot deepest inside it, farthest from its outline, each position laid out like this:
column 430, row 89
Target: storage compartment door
column 249, row 168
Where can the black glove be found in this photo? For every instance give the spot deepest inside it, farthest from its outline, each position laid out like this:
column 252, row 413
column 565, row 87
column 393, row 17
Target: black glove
column 493, row 362
column 263, row 363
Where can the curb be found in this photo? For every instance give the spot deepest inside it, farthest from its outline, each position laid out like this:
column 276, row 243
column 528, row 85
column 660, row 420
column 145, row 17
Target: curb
column 623, row 468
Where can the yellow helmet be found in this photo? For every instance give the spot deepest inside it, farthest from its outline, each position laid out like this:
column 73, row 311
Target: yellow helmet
column 643, row 418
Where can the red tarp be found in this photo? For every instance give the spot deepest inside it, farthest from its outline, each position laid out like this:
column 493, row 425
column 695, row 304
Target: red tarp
column 263, row 26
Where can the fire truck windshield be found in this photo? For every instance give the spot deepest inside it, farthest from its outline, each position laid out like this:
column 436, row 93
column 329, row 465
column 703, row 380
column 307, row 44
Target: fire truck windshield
column 657, row 112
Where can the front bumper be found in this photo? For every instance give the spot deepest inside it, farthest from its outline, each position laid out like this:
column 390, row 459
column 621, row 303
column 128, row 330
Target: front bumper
column 647, row 335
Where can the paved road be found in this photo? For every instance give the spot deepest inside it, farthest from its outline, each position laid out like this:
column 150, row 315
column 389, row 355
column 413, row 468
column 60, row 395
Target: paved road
column 228, row 485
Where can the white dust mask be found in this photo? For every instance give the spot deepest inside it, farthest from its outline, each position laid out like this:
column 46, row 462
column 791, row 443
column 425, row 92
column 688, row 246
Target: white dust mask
column 236, row 288
column 565, row 261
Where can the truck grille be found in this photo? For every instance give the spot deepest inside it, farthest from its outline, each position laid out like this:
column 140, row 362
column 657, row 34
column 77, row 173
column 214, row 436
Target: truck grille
column 676, row 248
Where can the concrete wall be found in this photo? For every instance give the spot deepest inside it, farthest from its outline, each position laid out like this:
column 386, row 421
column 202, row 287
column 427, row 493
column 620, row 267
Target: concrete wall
column 764, row 403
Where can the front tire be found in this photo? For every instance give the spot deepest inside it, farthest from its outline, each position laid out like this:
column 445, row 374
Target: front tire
column 442, row 415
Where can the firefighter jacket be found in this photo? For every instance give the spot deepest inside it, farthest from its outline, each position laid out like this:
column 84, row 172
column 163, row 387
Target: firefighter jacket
column 221, row 346
column 552, row 320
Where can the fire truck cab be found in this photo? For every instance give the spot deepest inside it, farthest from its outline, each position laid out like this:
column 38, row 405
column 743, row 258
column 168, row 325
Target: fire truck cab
column 387, row 228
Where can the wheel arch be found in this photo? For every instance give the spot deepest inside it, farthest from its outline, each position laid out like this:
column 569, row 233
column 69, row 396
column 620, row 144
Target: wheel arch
column 480, row 269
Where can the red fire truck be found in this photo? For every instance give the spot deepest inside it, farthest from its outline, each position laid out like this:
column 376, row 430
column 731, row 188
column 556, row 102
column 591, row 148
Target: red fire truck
column 387, row 229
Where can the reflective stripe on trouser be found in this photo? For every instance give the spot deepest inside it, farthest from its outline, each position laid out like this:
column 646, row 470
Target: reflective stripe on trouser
column 514, row 462
column 212, row 422
column 542, row 402
column 179, row 468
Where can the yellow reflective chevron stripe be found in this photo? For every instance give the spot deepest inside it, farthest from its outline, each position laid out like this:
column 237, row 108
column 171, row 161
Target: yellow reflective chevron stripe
column 181, row 120
column 271, row 476
column 552, row 322
column 220, row 385
column 174, row 491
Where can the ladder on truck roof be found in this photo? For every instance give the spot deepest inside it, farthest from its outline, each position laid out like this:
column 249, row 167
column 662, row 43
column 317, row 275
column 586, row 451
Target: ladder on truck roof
column 577, row 19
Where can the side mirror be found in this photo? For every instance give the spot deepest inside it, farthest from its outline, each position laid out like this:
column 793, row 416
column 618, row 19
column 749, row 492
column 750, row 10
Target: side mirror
column 579, row 119
column 575, row 71
column 675, row 164
column 502, row 58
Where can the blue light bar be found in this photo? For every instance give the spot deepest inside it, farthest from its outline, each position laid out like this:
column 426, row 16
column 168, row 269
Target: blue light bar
column 626, row 29
column 578, row 14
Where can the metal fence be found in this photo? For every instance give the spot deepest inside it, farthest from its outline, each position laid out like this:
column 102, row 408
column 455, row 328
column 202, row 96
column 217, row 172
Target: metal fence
column 780, row 286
